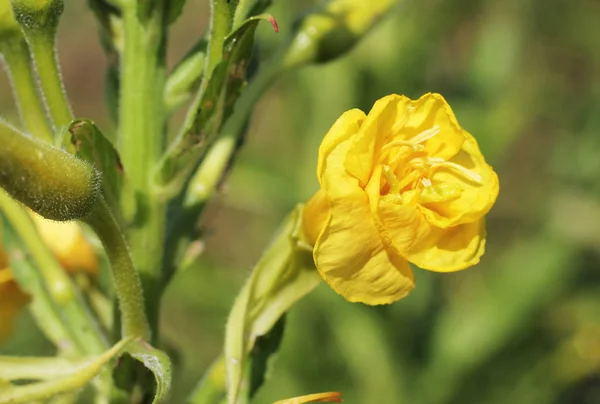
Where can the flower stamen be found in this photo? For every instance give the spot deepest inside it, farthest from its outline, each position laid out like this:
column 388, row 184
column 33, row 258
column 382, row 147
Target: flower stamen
column 425, row 135
column 414, row 142
column 437, row 162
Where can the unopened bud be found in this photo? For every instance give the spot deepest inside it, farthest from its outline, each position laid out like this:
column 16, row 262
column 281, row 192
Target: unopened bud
column 334, row 29
column 39, row 16
column 51, row 182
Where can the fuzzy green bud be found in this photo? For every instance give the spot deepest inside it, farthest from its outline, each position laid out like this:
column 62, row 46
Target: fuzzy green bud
column 51, row 182
column 333, row 29
column 38, row 16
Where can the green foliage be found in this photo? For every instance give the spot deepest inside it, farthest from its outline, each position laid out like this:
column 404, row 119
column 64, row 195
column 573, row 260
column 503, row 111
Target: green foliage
column 157, row 362
column 522, row 77
column 56, row 376
column 281, row 277
column 214, row 104
column 91, row 145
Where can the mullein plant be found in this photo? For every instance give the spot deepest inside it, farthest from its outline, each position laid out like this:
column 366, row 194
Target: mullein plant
column 403, row 183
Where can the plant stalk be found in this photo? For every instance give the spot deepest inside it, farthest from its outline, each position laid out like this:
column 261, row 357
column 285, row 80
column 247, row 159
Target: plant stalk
column 125, row 278
column 43, row 50
column 31, row 109
column 142, row 123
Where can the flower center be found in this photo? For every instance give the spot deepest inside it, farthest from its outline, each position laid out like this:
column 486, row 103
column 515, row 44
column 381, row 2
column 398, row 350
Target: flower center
column 408, row 170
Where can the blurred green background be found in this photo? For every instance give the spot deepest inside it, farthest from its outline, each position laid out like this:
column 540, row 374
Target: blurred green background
column 523, row 76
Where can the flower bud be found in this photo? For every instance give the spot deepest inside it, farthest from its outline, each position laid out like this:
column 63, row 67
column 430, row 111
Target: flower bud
column 51, row 182
column 333, row 30
column 38, row 15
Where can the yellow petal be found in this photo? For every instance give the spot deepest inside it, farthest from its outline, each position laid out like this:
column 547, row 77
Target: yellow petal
column 343, row 129
column 315, row 216
column 474, row 199
column 374, row 132
column 329, row 397
column 429, row 111
column 396, row 117
column 451, row 249
column 349, row 253
column 352, row 259
column 401, row 226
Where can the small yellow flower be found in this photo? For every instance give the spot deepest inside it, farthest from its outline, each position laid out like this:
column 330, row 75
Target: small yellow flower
column 68, row 244
column 404, row 183
column 330, row 397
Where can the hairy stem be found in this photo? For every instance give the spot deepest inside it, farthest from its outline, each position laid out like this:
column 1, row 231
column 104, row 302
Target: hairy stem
column 125, row 278
column 43, row 50
column 142, row 122
column 31, row 109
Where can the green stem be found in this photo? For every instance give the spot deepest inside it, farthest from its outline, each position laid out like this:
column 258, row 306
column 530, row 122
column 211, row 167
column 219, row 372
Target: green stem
column 220, row 26
column 43, row 50
column 31, row 109
column 208, row 175
column 142, row 123
column 125, row 278
column 206, row 179
column 60, row 288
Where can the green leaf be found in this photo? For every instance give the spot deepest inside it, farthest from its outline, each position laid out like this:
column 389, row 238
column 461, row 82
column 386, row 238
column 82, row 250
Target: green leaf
column 250, row 8
column 69, row 375
column 185, row 77
column 174, row 10
column 262, row 355
column 259, row 7
column 91, row 145
column 215, row 103
column 157, row 362
column 283, row 276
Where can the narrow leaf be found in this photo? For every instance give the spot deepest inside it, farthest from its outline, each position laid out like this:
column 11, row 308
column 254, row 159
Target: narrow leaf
column 91, row 145
column 215, row 104
column 157, row 362
column 69, row 378
column 284, row 275
column 262, row 355
column 174, row 10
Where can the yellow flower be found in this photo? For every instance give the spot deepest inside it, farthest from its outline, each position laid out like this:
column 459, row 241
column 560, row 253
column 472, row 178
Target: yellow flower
column 404, row 183
column 68, row 244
